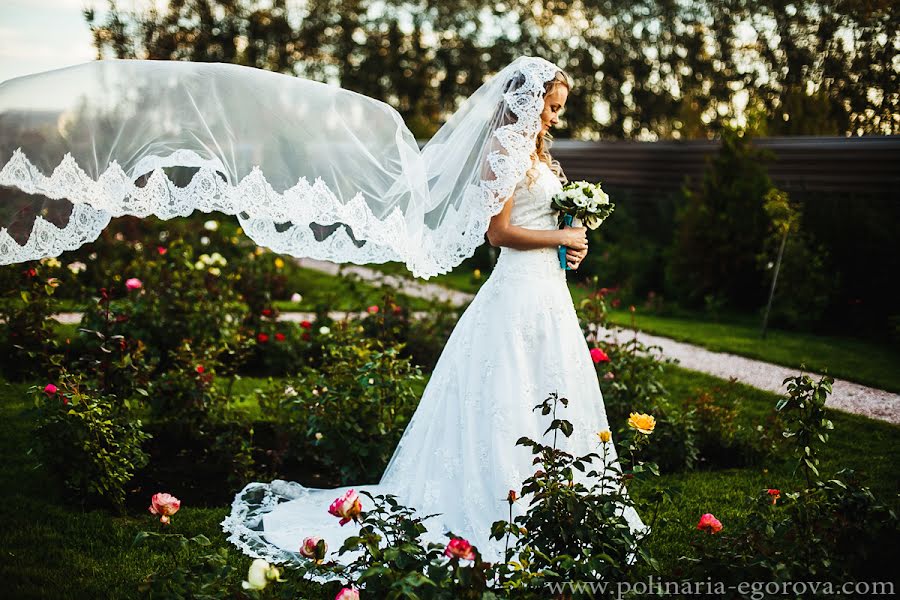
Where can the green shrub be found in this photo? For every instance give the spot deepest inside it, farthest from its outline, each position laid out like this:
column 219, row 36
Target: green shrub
column 350, row 412
column 571, row 532
column 94, row 442
column 829, row 530
column 721, row 228
column 27, row 336
column 180, row 298
column 631, row 374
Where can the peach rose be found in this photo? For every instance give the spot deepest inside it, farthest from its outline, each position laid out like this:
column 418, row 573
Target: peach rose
column 309, row 548
column 347, row 594
column 165, row 505
column 709, row 523
column 347, row 506
column 460, row 548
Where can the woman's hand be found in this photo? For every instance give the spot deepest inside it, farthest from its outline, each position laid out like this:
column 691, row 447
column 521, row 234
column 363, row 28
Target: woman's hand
column 574, row 257
column 574, row 238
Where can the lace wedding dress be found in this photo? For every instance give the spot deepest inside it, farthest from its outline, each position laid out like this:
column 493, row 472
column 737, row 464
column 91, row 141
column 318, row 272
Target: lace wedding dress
column 517, row 341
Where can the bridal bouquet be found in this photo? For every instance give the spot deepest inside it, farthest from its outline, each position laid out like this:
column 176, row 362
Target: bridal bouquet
column 584, row 201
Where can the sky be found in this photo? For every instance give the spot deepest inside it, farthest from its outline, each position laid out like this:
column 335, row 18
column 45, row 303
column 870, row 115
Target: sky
column 39, row 35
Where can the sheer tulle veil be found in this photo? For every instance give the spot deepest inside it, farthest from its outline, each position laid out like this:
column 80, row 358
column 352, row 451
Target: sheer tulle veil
column 309, row 169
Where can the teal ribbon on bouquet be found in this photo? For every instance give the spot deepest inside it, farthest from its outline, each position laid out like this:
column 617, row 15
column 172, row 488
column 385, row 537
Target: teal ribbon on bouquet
column 567, row 221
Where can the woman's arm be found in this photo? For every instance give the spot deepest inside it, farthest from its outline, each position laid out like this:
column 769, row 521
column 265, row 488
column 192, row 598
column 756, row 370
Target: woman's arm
column 501, row 233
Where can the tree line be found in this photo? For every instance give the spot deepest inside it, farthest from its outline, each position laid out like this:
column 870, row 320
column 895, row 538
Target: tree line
column 649, row 69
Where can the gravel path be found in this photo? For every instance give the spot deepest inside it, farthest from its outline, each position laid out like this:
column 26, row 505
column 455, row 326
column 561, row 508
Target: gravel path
column 846, row 395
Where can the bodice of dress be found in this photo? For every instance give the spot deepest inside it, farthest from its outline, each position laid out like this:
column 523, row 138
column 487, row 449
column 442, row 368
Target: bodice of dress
column 531, row 209
column 531, row 204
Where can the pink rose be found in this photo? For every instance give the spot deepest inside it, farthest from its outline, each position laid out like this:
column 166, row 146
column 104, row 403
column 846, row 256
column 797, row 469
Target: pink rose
column 347, row 506
column 373, row 309
column 460, row 548
column 50, row 389
column 609, row 375
column 308, row 549
column 347, row 594
column 165, row 505
column 709, row 523
column 598, row 355
column 133, row 284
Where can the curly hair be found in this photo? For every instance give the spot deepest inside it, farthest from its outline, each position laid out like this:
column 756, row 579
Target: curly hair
column 542, row 148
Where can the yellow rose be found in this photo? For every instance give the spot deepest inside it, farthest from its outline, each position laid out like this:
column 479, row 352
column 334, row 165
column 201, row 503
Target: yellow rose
column 642, row 422
column 604, row 436
column 279, row 264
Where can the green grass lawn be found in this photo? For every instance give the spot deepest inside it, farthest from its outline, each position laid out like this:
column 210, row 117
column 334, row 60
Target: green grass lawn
column 55, row 549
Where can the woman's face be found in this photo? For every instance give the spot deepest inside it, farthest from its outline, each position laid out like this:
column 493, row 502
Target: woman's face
column 554, row 101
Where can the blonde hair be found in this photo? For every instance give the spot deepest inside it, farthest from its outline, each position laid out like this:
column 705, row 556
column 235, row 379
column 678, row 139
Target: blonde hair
column 542, row 148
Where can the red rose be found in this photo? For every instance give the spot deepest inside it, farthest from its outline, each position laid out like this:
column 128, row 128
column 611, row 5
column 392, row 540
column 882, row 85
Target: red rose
column 161, row 250
column 199, row 368
column 279, row 337
column 305, row 324
column 306, row 336
column 267, row 311
column 262, row 338
column 598, row 355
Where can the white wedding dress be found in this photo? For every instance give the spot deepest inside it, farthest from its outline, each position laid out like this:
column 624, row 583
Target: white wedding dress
column 517, row 341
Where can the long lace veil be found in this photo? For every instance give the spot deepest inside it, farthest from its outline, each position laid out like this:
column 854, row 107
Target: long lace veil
column 309, row 169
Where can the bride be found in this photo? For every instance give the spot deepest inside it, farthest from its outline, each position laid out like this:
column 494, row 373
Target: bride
column 518, row 340
column 83, row 144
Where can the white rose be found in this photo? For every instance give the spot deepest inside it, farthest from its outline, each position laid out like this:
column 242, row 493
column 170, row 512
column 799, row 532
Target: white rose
column 215, row 271
column 211, row 225
column 295, row 297
column 77, row 267
column 324, row 330
column 290, row 392
column 257, row 576
column 198, row 265
column 204, row 241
